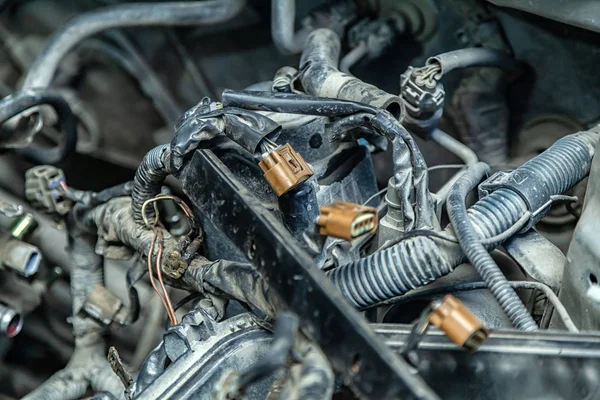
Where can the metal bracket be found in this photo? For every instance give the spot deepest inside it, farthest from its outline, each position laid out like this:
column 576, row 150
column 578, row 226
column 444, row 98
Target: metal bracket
column 367, row 365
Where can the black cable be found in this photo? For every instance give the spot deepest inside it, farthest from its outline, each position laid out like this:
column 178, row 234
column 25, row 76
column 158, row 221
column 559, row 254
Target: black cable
column 284, row 332
column 149, row 81
column 190, row 297
column 477, row 253
column 23, row 101
column 187, row 299
column 93, row 199
column 293, row 103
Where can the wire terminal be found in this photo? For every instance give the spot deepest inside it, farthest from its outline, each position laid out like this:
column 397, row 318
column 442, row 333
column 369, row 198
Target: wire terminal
column 285, row 169
column 347, row 220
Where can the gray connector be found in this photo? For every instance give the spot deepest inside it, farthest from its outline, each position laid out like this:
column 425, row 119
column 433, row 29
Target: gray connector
column 42, row 189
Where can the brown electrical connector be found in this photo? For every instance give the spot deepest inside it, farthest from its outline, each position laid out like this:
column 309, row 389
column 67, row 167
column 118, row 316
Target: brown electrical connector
column 347, row 220
column 284, row 169
column 458, row 323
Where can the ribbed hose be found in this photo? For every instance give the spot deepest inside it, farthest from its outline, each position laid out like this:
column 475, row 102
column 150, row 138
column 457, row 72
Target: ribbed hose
column 148, row 180
column 417, row 261
column 406, row 266
column 476, row 252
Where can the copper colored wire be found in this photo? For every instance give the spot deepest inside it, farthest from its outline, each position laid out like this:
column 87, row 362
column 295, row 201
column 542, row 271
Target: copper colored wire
column 184, row 207
column 158, row 236
column 170, row 310
column 150, row 275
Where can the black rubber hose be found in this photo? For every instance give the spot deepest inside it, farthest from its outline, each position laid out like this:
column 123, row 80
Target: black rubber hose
column 149, row 81
column 340, row 129
column 284, row 334
column 292, row 103
column 417, row 261
column 321, row 77
column 135, row 65
column 474, row 57
column 476, row 252
column 23, row 101
column 149, row 177
column 195, row 13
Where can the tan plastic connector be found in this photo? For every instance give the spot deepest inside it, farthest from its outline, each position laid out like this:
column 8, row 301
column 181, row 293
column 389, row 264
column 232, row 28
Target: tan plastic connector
column 347, row 220
column 285, row 169
column 458, row 323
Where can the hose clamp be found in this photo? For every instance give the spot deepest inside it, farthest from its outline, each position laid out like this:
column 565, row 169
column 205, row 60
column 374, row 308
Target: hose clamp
column 503, row 180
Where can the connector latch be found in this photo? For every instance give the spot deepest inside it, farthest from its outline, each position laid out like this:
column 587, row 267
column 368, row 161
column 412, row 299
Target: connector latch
column 42, row 185
column 285, row 169
column 347, row 220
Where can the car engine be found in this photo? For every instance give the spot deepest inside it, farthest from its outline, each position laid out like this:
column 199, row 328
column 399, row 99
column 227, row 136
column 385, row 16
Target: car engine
column 342, row 199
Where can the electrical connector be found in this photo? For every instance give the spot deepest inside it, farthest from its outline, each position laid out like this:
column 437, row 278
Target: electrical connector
column 284, row 169
column 347, row 220
column 42, row 185
column 423, row 94
column 423, row 97
column 458, row 323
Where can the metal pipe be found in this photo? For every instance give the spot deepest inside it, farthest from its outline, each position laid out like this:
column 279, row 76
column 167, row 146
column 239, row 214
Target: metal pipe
column 461, row 150
column 196, row 13
column 454, row 146
column 353, row 56
column 283, row 19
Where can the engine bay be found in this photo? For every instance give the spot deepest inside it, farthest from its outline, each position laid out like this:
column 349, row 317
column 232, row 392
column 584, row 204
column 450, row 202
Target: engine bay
column 346, row 199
